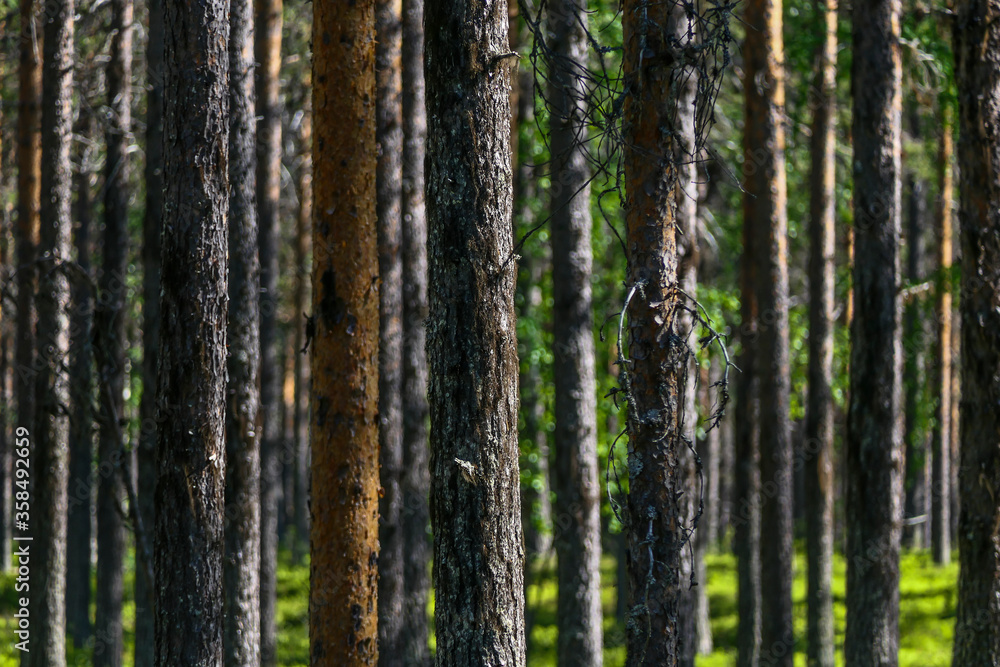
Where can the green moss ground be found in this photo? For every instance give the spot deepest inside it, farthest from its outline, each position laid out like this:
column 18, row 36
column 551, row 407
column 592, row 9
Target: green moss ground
column 927, row 613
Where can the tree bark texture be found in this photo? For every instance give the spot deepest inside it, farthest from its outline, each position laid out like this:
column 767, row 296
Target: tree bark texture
column 267, row 46
column 577, row 528
column 388, row 184
column 146, row 455
column 818, row 454
column 976, row 40
column 415, row 481
column 109, row 325
column 50, row 435
column 941, row 435
column 241, row 569
column 652, row 378
column 874, row 437
column 344, row 394
column 190, row 452
column 471, row 332
column 50, row 426
column 81, row 414
column 764, row 209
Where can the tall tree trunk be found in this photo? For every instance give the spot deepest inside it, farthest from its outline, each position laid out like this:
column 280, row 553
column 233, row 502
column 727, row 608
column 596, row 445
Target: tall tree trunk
column 764, row 208
column 241, row 573
column 577, row 533
column 146, row 454
column 388, row 185
column 29, row 188
column 81, row 417
column 818, row 453
column 415, row 481
column 686, row 221
column 50, row 435
column 913, row 355
column 471, row 330
column 708, row 451
column 874, row 452
column 343, row 570
column 300, row 417
column 190, row 452
column 268, row 53
column 941, row 436
column 976, row 40
column 109, row 325
column 656, row 520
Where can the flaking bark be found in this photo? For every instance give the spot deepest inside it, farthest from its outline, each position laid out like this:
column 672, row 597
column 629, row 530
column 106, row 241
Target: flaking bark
column 472, row 348
column 190, row 451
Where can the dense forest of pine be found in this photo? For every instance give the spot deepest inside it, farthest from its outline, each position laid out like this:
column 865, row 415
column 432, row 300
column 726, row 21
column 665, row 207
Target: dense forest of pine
column 482, row 332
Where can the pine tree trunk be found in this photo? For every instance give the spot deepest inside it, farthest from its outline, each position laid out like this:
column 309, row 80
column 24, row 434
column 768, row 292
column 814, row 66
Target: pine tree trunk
column 300, row 418
column 708, row 451
column 241, row 573
column 268, row 54
column 913, row 356
column 764, row 204
column 874, row 438
column 344, row 394
column 686, row 220
column 50, row 435
column 388, row 184
column 818, row 454
column 471, row 331
column 109, row 325
column 29, row 184
column 976, row 40
column 190, row 452
column 415, row 481
column 577, row 531
column 146, row 453
column 653, row 378
column 81, row 417
column 941, row 436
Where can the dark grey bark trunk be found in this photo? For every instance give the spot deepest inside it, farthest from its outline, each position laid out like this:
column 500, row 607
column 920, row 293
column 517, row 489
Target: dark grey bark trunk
column 241, row 573
column 708, row 451
column 268, row 53
column 300, row 417
column 746, row 468
column 941, row 436
column 976, row 40
column 577, row 529
column 913, row 359
column 818, row 445
column 7, row 424
column 50, row 435
column 190, row 451
column 764, row 209
column 146, row 452
column 81, row 416
column 874, row 438
column 388, row 184
column 109, row 348
column 415, row 481
column 472, row 347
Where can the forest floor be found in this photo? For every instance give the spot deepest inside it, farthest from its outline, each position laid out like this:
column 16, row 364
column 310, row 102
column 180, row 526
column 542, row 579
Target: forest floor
column 927, row 613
